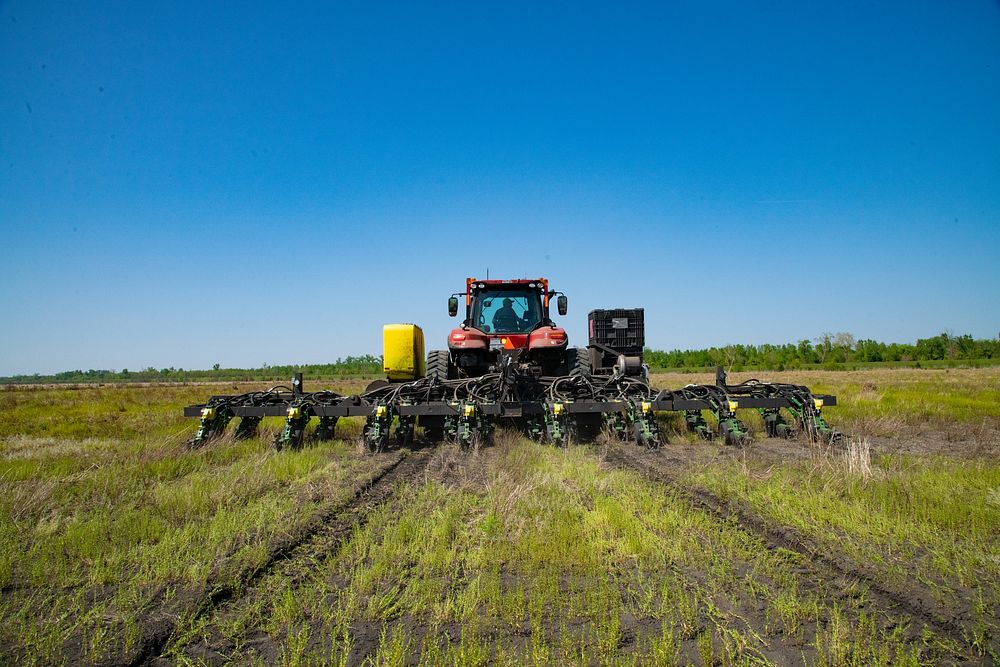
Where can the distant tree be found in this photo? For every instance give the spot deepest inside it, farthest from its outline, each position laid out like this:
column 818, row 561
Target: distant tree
column 824, row 345
column 731, row 355
column 844, row 339
column 805, row 352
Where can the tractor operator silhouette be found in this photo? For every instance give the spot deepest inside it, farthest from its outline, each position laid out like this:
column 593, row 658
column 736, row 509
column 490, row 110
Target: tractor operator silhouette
column 506, row 319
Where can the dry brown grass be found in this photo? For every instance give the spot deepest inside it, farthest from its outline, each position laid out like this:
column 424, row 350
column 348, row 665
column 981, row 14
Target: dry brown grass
column 867, row 380
column 858, row 457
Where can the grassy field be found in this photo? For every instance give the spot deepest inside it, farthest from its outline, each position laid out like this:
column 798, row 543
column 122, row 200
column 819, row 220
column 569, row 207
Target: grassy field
column 118, row 545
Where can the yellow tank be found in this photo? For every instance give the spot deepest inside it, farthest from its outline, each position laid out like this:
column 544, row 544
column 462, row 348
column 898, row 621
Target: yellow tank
column 403, row 352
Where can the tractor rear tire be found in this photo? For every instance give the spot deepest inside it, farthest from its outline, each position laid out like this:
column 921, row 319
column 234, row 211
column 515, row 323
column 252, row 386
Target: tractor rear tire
column 439, row 365
column 578, row 362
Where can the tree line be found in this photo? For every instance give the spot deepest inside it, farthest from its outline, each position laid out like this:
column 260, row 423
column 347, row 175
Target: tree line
column 828, row 351
column 361, row 366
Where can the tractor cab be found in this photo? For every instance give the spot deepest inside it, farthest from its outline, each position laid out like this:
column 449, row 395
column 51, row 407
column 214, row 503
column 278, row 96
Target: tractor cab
column 507, row 317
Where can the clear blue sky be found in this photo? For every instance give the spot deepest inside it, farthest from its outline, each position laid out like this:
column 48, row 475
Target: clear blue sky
column 183, row 184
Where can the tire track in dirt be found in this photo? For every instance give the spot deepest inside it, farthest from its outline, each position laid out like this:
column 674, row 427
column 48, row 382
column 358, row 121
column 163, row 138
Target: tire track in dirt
column 159, row 625
column 733, row 607
column 307, row 554
column 817, row 564
column 447, row 465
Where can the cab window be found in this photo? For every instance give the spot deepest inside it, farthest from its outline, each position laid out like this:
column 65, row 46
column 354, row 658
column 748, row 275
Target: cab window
column 492, row 315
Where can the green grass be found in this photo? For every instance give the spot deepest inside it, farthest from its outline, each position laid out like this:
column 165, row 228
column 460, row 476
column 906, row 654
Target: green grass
column 933, row 520
column 93, row 531
column 137, row 412
column 549, row 557
column 938, row 400
column 519, row 554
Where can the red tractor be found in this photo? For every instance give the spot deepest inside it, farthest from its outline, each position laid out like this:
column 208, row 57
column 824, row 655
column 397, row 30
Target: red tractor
column 507, row 318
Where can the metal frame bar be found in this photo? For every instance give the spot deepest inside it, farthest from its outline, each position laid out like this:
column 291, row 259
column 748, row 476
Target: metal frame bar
column 508, row 409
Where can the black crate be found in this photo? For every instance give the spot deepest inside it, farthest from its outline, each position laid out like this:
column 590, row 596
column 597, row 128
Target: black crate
column 621, row 329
